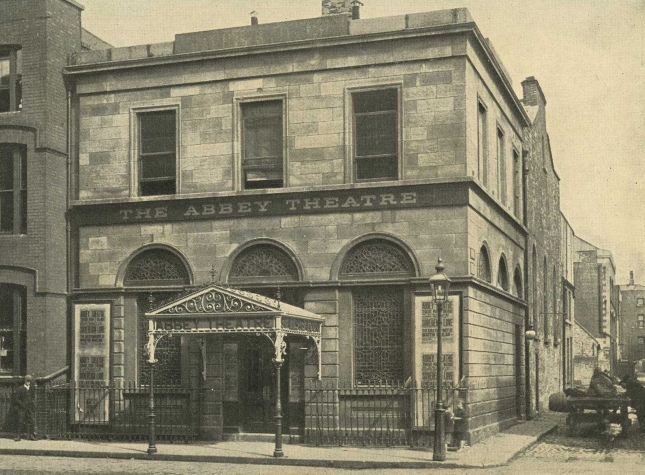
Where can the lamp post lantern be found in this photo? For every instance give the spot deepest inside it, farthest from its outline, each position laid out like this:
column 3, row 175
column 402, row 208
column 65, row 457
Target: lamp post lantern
column 440, row 286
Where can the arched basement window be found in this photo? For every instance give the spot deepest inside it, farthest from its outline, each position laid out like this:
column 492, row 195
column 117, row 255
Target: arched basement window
column 378, row 310
column 263, row 263
column 483, row 271
column 157, row 268
column 517, row 282
column 502, row 274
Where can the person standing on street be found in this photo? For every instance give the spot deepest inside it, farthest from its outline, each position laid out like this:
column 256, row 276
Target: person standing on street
column 24, row 409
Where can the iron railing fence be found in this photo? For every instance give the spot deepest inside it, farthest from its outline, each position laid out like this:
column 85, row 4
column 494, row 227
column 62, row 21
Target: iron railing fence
column 67, row 411
column 380, row 413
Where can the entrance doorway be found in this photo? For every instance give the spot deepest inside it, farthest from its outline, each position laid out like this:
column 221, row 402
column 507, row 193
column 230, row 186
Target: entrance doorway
column 249, row 385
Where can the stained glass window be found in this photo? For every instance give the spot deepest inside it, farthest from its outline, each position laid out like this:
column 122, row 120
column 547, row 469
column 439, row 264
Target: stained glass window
column 156, row 267
column 378, row 334
column 376, row 257
column 263, row 262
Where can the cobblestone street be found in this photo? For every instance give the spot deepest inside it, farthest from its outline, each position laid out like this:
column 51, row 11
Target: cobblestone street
column 589, row 446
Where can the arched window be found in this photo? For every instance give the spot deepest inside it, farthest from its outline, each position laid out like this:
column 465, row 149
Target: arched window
column 502, row 273
column 517, row 282
column 376, row 257
column 378, row 311
column 483, row 271
column 157, row 268
column 263, row 263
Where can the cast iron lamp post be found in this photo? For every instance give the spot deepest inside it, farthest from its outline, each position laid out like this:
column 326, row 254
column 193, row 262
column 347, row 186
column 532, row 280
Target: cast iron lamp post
column 440, row 286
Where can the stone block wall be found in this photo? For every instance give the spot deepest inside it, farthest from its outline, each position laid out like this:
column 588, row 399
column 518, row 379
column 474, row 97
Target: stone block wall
column 316, row 90
column 493, row 361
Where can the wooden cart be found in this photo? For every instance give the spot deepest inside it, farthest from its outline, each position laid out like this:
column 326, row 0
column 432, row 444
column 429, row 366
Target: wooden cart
column 601, row 411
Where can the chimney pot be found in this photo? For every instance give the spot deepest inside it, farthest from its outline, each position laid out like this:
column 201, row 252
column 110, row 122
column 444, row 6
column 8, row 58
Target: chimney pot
column 254, row 18
column 631, row 278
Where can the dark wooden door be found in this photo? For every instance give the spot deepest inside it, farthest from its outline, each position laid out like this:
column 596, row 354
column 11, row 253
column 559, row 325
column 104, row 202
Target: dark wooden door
column 258, row 386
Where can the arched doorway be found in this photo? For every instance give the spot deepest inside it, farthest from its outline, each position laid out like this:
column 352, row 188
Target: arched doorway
column 160, row 271
column 265, row 268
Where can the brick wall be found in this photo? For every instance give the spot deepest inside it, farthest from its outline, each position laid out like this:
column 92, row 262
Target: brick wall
column 47, row 31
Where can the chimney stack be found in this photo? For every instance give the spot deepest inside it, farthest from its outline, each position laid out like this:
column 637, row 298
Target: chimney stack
column 348, row 7
column 631, row 278
column 254, row 18
column 532, row 92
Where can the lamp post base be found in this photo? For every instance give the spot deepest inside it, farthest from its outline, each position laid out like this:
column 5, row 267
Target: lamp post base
column 439, row 451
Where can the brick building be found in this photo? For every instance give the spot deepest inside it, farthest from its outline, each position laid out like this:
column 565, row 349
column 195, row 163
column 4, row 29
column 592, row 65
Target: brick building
column 596, row 303
column 632, row 321
column 36, row 38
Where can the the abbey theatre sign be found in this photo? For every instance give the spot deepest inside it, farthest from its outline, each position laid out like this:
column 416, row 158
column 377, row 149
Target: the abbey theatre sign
column 279, row 204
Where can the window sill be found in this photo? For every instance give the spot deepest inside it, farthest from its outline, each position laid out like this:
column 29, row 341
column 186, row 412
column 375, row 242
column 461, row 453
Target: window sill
column 11, row 235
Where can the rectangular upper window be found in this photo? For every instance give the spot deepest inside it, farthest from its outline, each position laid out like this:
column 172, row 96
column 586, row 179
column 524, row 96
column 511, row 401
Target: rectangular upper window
column 157, row 153
column 639, row 302
column 376, row 135
column 262, row 145
column 517, row 184
column 10, row 79
column 501, row 163
column 641, row 321
column 482, row 143
column 13, row 189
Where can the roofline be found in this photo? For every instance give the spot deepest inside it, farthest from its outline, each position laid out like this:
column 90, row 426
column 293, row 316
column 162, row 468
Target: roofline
column 586, row 331
column 71, row 71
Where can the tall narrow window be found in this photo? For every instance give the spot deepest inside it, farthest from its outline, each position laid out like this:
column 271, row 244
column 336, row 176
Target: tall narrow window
column 483, row 271
column 10, row 79
column 545, row 304
column 13, row 189
column 13, row 329
column 262, row 145
column 517, row 184
column 157, row 153
column 543, row 154
column 501, row 163
column 376, row 135
column 482, row 143
column 641, row 321
column 502, row 274
column 517, row 283
column 534, row 303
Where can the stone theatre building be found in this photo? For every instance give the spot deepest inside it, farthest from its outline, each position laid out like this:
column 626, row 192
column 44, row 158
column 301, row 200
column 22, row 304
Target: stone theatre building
column 332, row 160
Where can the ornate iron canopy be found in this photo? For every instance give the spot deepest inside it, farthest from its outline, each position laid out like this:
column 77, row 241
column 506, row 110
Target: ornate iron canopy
column 217, row 309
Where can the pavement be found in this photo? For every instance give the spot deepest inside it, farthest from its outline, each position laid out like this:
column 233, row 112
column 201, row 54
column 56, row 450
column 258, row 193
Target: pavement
column 494, row 451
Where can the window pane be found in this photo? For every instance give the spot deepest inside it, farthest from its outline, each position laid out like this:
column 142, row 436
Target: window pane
column 158, row 166
column 262, row 138
column 158, row 132
column 376, row 135
column 374, row 101
column 5, row 71
column 6, row 169
column 166, row 187
column 6, row 211
column 376, row 168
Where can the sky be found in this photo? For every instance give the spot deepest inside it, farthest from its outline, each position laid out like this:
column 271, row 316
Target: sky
column 588, row 55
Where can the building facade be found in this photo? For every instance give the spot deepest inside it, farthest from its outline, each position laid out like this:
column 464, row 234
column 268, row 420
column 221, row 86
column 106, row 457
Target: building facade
column 330, row 159
column 568, row 302
column 596, row 303
column 543, row 253
column 632, row 323
column 36, row 38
